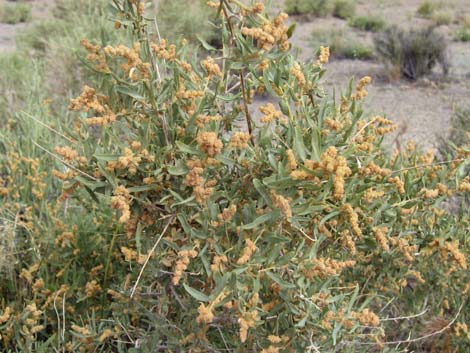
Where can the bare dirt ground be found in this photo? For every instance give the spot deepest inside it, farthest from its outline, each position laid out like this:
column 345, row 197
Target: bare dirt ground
column 422, row 109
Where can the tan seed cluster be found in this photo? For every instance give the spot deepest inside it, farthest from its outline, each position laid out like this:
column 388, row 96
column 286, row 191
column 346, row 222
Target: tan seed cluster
column 324, row 55
column 373, row 169
column 403, row 245
column 226, row 216
column 296, row 71
column 211, row 67
column 281, row 203
column 247, row 321
column 121, row 202
column 247, row 252
column 95, row 55
column 361, row 91
column 88, row 100
column 218, row 263
column 163, row 51
column 291, row 162
column 367, row 318
column 398, row 183
column 6, row 315
column 206, row 316
column 380, row 234
column 332, row 163
column 201, row 189
column 182, row 264
column 92, row 288
column 209, row 143
column 239, row 140
column 385, row 126
column 133, row 66
column 68, row 154
column 269, row 113
column 202, row 120
column 270, row 34
column 371, row 195
column 326, row 267
column 333, row 124
column 353, row 219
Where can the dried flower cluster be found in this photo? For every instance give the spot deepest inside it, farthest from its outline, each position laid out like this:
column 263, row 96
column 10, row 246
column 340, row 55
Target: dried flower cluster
column 270, row 34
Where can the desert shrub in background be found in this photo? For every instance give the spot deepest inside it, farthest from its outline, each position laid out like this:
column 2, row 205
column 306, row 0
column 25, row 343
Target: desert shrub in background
column 183, row 224
column 13, row 13
column 342, row 44
column 413, row 53
column 427, row 8
column 186, row 19
column 318, row 8
column 344, row 9
column 463, row 34
column 368, row 23
column 442, row 17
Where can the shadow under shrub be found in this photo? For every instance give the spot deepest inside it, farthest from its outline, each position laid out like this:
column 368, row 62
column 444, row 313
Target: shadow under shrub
column 413, row 53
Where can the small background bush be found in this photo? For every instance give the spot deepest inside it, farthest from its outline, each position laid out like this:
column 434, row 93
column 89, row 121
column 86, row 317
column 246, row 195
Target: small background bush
column 16, row 12
column 344, row 9
column 413, row 53
column 319, row 8
column 188, row 19
column 342, row 44
column 367, row 23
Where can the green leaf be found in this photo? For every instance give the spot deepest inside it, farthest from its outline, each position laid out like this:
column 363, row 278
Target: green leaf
column 280, row 281
column 178, row 169
column 187, row 149
column 291, row 29
column 316, row 144
column 262, row 191
column 206, row 45
column 195, row 293
column 258, row 221
column 299, row 146
column 106, row 157
column 142, row 188
column 131, row 93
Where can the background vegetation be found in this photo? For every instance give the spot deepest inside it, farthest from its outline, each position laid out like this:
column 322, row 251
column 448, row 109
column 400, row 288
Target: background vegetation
column 158, row 214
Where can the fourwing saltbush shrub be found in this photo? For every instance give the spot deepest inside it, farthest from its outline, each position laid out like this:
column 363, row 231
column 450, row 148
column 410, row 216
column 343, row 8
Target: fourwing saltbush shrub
column 190, row 223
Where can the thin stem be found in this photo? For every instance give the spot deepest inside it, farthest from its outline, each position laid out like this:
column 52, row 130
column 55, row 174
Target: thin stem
column 245, row 107
column 150, row 254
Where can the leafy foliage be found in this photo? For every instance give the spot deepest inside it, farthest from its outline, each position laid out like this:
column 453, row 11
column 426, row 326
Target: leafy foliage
column 188, row 222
